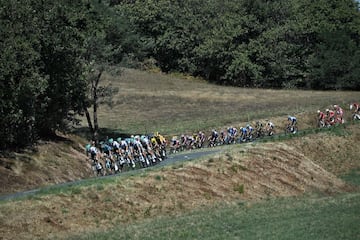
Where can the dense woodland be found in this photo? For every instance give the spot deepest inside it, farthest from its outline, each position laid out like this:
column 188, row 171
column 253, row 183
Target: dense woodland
column 54, row 52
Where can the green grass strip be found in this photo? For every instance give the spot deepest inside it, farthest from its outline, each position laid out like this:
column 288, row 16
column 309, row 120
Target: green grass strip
column 328, row 218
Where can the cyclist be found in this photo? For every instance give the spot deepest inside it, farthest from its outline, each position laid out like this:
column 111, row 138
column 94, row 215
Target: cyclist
column 292, row 121
column 243, row 134
column 232, row 134
column 175, row 144
column 153, row 141
column 222, row 137
column 145, row 141
column 183, row 141
column 162, row 144
column 140, row 151
column 339, row 112
column 321, row 118
column 201, row 137
column 213, row 138
column 259, row 129
column 106, row 148
column 355, row 107
column 250, row 130
column 270, row 128
column 330, row 117
column 87, row 149
column 128, row 150
column 93, row 151
column 292, row 124
column 160, row 139
column 356, row 110
column 115, row 145
column 190, row 142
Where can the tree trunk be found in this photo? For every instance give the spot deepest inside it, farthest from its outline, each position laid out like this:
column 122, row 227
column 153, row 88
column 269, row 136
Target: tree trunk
column 88, row 118
column 95, row 106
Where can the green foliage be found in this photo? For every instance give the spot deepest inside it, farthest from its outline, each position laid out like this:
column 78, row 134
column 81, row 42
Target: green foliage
column 60, row 52
column 276, row 44
column 239, row 188
column 48, row 49
column 51, row 50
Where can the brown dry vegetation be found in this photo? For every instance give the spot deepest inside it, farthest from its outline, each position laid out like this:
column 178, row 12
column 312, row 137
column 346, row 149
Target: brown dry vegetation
column 50, row 163
column 296, row 166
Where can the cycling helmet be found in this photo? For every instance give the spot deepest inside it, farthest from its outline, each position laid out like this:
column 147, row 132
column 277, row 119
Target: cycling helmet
column 327, row 110
column 336, row 106
column 351, row 106
column 318, row 111
column 118, row 139
column 289, row 117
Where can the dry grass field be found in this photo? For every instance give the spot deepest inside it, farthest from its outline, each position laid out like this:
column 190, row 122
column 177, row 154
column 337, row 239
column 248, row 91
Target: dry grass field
column 149, row 102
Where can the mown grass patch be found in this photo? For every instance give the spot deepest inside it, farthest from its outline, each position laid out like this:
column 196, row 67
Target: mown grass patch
column 308, row 217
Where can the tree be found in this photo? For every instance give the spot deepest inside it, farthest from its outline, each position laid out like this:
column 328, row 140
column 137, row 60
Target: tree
column 61, row 43
column 108, row 38
column 41, row 80
column 334, row 30
column 336, row 64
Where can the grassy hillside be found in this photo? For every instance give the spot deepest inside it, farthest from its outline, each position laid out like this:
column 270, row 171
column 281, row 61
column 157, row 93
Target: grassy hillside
column 287, row 218
column 247, row 173
column 173, row 105
column 264, row 188
column 149, row 102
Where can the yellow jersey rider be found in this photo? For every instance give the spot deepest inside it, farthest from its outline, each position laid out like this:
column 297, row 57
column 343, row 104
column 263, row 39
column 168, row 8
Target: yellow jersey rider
column 160, row 139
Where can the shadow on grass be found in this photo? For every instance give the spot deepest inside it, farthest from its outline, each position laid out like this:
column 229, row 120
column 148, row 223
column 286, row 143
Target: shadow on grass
column 104, row 133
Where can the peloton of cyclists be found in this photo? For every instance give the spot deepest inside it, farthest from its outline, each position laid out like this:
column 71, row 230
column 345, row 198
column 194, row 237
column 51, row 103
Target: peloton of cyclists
column 147, row 148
